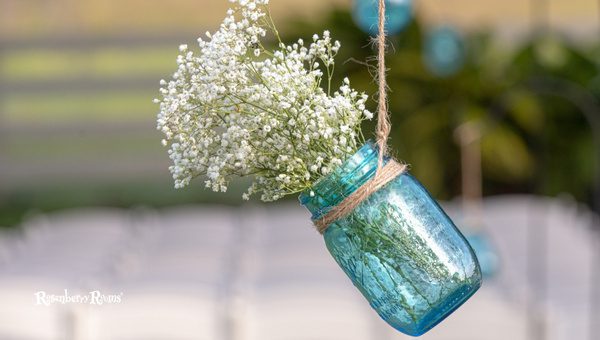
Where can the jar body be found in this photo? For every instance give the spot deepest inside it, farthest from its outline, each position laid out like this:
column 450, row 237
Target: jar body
column 399, row 248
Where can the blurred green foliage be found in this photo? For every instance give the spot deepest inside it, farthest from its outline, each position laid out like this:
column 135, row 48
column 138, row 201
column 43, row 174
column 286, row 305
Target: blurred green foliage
column 531, row 142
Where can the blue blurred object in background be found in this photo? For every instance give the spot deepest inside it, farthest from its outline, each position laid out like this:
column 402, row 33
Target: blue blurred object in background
column 485, row 252
column 398, row 14
column 444, row 51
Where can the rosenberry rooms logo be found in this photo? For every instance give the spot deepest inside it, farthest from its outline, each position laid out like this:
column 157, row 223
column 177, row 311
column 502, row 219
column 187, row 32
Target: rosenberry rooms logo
column 92, row 298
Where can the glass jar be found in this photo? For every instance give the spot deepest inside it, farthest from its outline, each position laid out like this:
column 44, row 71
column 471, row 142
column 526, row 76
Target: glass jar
column 398, row 246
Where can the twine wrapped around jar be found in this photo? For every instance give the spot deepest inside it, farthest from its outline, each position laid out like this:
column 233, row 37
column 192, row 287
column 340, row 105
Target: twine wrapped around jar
column 382, row 177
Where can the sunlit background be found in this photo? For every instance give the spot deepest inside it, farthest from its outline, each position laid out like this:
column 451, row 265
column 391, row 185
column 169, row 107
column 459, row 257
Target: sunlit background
column 499, row 99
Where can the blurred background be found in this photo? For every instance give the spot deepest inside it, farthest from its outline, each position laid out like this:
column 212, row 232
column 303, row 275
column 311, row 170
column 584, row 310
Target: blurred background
column 496, row 106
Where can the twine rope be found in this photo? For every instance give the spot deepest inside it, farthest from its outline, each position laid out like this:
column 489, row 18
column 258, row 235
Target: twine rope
column 385, row 173
column 383, row 120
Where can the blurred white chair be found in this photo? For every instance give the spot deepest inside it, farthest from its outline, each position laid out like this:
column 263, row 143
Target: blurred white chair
column 189, row 244
column 302, row 311
column 200, row 270
column 91, row 226
column 264, row 273
column 290, row 288
column 23, row 319
column 77, row 245
column 282, row 239
column 199, row 227
column 282, row 225
column 9, row 243
column 556, row 230
column 486, row 316
column 569, row 258
column 153, row 315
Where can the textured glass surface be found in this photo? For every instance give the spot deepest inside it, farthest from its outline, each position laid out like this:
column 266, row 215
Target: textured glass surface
column 398, row 247
column 486, row 253
column 397, row 15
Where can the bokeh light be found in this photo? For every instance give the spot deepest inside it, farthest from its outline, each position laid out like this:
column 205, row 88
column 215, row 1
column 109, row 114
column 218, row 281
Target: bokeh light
column 398, row 14
column 444, row 51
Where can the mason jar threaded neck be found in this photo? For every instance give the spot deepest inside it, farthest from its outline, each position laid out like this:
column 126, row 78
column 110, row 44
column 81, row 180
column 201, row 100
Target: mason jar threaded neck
column 332, row 189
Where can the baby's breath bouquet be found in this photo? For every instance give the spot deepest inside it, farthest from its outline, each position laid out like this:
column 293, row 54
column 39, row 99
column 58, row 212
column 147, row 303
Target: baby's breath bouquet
column 237, row 108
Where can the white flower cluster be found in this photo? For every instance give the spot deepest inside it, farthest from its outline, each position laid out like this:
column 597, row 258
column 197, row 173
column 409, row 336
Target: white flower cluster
column 239, row 109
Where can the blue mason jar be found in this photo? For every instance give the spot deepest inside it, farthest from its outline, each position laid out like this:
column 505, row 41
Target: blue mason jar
column 398, row 246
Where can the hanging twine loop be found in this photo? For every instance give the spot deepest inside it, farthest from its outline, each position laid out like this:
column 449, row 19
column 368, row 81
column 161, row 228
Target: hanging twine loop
column 385, row 172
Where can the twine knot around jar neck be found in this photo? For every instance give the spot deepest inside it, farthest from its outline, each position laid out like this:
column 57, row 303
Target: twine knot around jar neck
column 383, row 176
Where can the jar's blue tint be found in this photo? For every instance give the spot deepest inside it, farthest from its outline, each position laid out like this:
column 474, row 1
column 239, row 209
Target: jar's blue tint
column 398, row 14
column 444, row 51
column 398, row 247
column 485, row 252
